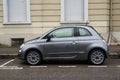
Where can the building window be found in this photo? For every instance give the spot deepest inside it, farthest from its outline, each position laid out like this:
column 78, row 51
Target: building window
column 16, row 11
column 74, row 11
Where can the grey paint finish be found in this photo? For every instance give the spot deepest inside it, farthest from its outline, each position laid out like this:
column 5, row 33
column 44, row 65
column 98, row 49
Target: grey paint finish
column 64, row 47
column 75, row 47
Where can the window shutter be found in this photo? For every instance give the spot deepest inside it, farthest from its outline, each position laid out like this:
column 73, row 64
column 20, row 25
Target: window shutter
column 17, row 11
column 74, row 10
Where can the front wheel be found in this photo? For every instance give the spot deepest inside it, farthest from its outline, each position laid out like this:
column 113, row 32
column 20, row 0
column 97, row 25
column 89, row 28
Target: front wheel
column 33, row 57
column 97, row 57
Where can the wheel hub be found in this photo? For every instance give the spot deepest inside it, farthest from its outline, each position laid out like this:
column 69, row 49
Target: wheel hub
column 97, row 57
column 33, row 58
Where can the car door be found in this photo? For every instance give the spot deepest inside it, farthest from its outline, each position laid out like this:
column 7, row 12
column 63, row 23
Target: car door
column 62, row 44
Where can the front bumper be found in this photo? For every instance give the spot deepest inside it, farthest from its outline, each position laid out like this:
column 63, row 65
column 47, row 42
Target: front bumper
column 21, row 54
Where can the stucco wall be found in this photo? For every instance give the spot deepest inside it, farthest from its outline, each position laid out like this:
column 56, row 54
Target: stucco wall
column 99, row 16
column 116, row 21
column 45, row 15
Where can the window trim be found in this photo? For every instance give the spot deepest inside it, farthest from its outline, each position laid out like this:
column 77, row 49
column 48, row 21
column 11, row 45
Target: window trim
column 73, row 32
column 85, row 13
column 5, row 13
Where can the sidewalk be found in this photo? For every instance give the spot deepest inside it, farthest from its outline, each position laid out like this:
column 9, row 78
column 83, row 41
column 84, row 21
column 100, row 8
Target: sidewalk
column 115, row 51
column 13, row 52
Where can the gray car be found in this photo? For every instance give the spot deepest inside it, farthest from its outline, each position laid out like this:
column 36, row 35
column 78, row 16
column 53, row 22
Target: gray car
column 66, row 43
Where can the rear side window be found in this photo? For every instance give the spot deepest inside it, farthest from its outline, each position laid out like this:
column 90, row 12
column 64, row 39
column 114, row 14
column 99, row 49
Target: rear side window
column 84, row 32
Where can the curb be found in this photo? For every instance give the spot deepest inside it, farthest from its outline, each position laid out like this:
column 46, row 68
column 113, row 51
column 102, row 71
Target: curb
column 7, row 56
column 114, row 56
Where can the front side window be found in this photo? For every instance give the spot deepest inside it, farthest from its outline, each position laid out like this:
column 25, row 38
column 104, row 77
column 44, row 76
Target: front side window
column 62, row 33
column 16, row 11
column 84, row 32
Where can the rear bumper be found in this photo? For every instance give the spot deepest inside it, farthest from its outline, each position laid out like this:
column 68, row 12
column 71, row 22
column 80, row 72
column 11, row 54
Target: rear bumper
column 107, row 51
column 107, row 54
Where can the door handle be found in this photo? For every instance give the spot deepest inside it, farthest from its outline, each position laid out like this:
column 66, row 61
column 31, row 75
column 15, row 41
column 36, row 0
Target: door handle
column 74, row 42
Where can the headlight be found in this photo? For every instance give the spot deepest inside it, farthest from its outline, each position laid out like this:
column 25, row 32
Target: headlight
column 22, row 45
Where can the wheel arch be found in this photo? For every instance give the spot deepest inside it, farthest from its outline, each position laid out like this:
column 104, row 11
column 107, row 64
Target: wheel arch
column 96, row 49
column 35, row 50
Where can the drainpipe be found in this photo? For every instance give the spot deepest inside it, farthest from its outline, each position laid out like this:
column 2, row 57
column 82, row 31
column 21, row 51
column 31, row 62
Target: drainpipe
column 110, row 24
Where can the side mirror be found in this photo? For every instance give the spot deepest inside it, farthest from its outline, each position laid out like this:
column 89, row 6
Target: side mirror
column 49, row 38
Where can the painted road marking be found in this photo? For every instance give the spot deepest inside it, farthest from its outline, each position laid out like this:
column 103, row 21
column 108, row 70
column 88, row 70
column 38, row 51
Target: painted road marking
column 7, row 63
column 67, row 66
column 11, row 67
column 118, row 66
column 38, row 66
column 97, row 66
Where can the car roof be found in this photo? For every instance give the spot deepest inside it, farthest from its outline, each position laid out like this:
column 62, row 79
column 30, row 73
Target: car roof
column 74, row 26
column 87, row 27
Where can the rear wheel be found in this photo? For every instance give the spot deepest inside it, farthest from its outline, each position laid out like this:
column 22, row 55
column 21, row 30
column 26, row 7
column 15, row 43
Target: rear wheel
column 33, row 57
column 97, row 57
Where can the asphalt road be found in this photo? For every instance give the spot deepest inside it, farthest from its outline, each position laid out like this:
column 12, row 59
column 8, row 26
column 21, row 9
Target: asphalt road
column 15, row 69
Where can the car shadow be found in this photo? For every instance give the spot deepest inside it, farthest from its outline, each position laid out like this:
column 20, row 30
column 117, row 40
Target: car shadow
column 65, row 62
column 58, row 62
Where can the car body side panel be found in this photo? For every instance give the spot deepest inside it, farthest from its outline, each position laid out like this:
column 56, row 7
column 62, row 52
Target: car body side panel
column 36, row 44
column 61, row 48
column 85, row 46
column 75, row 46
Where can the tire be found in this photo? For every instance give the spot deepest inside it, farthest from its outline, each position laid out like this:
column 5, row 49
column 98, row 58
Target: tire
column 97, row 57
column 33, row 57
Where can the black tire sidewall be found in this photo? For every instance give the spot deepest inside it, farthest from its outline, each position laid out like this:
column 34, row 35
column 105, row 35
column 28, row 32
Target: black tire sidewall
column 90, row 60
column 37, row 53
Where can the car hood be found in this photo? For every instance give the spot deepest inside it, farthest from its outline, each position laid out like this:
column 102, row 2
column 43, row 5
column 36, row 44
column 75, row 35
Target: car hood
column 36, row 40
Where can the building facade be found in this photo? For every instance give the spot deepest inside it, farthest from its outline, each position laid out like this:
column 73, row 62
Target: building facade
column 22, row 20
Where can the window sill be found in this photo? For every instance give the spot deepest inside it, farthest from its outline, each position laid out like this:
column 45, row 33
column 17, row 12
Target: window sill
column 17, row 23
column 76, row 22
